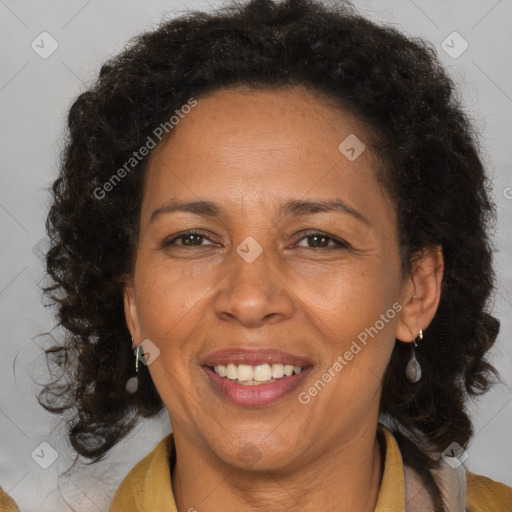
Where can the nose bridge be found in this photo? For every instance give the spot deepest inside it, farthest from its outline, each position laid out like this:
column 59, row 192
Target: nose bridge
column 251, row 290
column 251, row 278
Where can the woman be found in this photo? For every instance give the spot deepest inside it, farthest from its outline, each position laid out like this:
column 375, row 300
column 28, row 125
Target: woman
column 272, row 220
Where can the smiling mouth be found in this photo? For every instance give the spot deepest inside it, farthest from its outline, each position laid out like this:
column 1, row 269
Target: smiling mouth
column 254, row 375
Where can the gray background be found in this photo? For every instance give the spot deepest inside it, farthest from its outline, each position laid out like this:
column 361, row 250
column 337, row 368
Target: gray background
column 35, row 94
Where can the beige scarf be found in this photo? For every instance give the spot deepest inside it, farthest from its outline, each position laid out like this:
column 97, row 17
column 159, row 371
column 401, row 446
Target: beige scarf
column 452, row 483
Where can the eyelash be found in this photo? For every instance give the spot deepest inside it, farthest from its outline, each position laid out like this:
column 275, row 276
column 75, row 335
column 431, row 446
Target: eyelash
column 341, row 244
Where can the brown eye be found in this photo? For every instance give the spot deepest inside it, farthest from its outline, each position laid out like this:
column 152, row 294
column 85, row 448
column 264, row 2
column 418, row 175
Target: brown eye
column 187, row 239
column 321, row 240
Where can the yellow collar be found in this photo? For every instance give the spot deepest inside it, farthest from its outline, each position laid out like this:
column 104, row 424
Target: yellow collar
column 148, row 485
column 392, row 488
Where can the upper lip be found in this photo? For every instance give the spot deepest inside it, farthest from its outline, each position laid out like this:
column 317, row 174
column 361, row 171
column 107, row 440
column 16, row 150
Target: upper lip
column 253, row 357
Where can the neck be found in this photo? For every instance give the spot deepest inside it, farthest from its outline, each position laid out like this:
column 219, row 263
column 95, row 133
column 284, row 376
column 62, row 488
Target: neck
column 343, row 478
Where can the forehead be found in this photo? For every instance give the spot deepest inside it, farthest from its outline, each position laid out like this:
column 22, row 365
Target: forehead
column 276, row 118
column 237, row 142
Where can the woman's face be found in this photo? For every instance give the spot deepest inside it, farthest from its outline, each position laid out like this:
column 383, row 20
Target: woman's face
column 269, row 277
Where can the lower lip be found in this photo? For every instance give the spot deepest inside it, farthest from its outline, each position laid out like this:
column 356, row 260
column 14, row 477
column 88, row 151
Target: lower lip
column 259, row 394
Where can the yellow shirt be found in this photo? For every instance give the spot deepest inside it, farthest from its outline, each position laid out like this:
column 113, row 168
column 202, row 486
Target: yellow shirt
column 147, row 487
column 7, row 504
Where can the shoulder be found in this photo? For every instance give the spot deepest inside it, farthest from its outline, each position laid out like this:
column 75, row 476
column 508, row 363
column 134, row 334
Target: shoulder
column 7, row 504
column 147, row 480
column 484, row 494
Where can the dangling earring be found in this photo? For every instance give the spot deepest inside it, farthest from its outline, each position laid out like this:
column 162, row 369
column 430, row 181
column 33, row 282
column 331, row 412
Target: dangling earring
column 133, row 382
column 413, row 369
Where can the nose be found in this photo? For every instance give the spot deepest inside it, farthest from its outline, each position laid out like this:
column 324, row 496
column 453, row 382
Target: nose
column 253, row 294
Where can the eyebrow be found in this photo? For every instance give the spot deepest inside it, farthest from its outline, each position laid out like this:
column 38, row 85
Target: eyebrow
column 291, row 209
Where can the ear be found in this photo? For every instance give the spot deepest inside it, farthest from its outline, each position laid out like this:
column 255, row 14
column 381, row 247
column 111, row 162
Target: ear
column 421, row 294
column 130, row 309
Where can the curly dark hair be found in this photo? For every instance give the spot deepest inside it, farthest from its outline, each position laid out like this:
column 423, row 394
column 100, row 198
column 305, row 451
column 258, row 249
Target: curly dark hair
column 429, row 165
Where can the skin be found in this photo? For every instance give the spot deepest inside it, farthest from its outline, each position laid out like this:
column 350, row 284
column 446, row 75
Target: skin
column 250, row 151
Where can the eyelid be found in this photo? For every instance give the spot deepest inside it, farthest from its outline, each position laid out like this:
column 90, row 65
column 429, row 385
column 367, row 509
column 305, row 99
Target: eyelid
column 340, row 243
column 177, row 236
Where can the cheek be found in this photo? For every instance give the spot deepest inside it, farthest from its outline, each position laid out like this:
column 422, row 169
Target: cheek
column 356, row 310
column 169, row 289
column 347, row 298
column 171, row 304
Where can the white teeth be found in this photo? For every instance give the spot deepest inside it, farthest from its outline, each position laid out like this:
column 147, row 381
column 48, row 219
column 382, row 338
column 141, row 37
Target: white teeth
column 220, row 370
column 262, row 372
column 252, row 375
column 244, row 372
column 277, row 371
column 288, row 370
column 232, row 371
